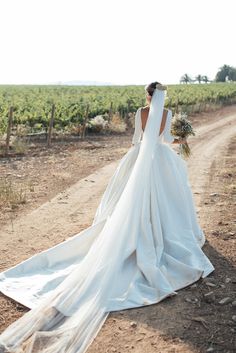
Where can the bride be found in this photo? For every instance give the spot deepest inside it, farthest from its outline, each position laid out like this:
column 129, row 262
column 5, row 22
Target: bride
column 144, row 245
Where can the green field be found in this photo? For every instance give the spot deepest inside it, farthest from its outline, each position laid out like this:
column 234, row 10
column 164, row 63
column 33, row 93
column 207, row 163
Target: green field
column 33, row 104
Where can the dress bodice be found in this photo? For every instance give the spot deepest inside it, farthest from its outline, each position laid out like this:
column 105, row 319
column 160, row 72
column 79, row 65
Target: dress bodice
column 165, row 136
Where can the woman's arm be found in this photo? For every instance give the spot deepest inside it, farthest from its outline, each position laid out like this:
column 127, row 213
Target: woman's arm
column 167, row 137
column 137, row 128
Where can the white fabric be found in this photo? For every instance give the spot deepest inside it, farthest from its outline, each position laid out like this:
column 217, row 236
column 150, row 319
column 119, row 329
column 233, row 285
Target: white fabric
column 167, row 137
column 144, row 244
column 138, row 131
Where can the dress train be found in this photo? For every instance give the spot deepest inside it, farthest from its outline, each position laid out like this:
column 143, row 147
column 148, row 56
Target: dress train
column 144, row 244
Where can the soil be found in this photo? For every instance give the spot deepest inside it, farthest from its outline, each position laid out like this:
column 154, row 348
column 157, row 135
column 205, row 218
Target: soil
column 66, row 183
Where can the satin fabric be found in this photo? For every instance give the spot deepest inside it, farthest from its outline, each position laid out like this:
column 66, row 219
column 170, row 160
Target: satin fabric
column 144, row 244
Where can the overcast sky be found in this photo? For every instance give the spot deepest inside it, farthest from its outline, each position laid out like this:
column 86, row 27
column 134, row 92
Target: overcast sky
column 117, row 41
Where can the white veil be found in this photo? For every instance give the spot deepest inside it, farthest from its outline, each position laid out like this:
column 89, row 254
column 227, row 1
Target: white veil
column 70, row 318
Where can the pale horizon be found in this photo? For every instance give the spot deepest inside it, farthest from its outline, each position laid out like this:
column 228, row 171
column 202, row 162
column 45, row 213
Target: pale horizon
column 124, row 42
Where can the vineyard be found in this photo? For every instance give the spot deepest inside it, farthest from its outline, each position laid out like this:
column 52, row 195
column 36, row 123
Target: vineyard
column 72, row 105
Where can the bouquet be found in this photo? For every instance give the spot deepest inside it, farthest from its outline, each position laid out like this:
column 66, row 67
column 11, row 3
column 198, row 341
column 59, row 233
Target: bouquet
column 181, row 128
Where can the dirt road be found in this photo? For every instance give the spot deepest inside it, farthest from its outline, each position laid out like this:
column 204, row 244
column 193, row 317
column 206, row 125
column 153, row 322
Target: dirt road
column 211, row 141
column 149, row 329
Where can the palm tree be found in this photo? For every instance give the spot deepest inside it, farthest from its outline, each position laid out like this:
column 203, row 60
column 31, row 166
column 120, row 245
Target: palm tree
column 199, row 78
column 205, row 79
column 185, row 78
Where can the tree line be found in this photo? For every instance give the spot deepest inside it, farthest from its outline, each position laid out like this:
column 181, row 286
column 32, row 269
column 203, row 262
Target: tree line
column 226, row 73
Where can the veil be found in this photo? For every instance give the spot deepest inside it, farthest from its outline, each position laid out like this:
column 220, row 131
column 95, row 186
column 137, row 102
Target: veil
column 71, row 316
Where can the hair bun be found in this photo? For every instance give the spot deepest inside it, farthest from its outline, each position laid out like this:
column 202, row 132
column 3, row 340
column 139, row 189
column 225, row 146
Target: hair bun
column 161, row 87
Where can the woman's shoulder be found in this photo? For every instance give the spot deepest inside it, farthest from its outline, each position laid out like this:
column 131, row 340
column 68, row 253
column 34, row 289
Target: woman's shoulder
column 144, row 109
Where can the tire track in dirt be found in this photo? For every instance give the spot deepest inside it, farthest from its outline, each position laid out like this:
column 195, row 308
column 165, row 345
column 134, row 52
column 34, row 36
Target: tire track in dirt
column 210, row 142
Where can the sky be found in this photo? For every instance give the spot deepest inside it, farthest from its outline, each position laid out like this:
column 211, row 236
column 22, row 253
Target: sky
column 116, row 41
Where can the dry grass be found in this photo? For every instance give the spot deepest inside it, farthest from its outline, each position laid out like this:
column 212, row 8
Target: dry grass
column 11, row 195
column 117, row 124
column 19, row 146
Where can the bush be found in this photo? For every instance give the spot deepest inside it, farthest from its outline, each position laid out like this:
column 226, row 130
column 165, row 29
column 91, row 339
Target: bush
column 117, row 124
column 97, row 124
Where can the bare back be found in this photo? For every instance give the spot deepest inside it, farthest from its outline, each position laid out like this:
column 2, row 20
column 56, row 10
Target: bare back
column 144, row 117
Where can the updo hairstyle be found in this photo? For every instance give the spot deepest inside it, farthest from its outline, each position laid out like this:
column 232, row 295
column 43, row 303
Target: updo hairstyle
column 151, row 87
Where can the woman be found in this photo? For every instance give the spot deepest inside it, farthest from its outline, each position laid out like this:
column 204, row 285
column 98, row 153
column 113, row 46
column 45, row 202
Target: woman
column 140, row 123
column 144, row 245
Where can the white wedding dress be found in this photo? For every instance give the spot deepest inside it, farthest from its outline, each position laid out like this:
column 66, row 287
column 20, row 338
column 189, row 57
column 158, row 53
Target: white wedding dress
column 144, row 245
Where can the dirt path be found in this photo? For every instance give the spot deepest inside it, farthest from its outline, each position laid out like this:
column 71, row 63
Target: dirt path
column 153, row 329
column 211, row 141
column 55, row 220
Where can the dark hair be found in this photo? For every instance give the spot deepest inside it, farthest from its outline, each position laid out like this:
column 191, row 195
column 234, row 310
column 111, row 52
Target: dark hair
column 151, row 87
